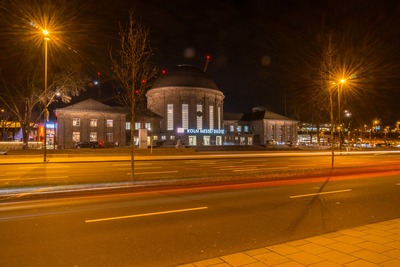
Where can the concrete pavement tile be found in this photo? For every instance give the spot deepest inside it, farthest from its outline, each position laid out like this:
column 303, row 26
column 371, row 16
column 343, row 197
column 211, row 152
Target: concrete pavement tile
column 391, row 263
column 395, row 235
column 290, row 264
column 360, row 228
column 380, row 226
column 377, row 239
column 343, row 247
column 271, row 258
column 305, row 258
column 208, row 262
column 283, row 249
column 325, row 264
column 187, row 265
column 297, row 243
column 256, row 264
column 320, row 240
column 395, row 253
column 361, row 263
column 314, row 248
column 394, row 244
column 374, row 246
column 331, row 235
column 371, row 256
column 338, row 257
column 352, row 232
column 238, row 259
column 221, row 265
column 257, row 251
column 348, row 239
column 378, row 232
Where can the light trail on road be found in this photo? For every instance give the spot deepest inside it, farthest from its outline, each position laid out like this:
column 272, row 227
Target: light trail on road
column 322, row 193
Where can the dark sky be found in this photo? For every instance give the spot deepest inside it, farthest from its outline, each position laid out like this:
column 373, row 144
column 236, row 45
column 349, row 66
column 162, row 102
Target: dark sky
column 262, row 51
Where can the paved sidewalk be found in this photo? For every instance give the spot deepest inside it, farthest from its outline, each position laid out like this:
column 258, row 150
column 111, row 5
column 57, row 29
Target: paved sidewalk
column 376, row 244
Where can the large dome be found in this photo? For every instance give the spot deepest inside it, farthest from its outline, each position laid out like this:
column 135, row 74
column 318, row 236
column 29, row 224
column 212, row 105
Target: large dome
column 185, row 76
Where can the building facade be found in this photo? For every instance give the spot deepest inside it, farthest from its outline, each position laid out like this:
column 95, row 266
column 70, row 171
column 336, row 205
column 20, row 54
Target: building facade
column 90, row 121
column 191, row 106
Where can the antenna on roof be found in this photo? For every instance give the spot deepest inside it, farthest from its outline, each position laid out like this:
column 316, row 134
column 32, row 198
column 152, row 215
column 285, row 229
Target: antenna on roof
column 206, row 64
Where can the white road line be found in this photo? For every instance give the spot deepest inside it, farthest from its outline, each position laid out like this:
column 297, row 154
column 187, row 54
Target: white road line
column 321, row 193
column 138, row 168
column 144, row 214
column 34, row 178
column 245, row 170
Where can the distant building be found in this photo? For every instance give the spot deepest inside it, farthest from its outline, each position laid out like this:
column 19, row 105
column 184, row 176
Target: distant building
column 90, row 121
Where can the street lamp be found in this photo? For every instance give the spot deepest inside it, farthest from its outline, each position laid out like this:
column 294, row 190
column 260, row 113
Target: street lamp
column 342, row 81
column 45, row 112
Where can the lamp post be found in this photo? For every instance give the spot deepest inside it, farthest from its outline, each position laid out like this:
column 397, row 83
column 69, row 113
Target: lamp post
column 45, row 112
column 342, row 81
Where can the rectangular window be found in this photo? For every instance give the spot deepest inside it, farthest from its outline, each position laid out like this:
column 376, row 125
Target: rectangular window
column 76, row 122
column 199, row 115
column 231, row 128
column 137, row 125
column 239, row 128
column 172, row 137
column 246, row 129
column 219, row 118
column 170, row 117
column 93, row 137
column 185, row 116
column 76, row 136
column 155, row 137
column 211, row 113
column 110, row 137
column 163, row 137
column 110, row 123
column 127, row 125
column 93, row 122
column 147, row 125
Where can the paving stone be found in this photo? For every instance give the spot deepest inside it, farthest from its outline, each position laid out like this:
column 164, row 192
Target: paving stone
column 348, row 239
column 297, row 243
column 343, row 247
column 352, row 232
column 372, row 246
column 208, row 262
column 377, row 239
column 271, row 258
column 313, row 248
column 238, row 259
column 371, row 256
column 395, row 253
column 391, row 263
column 394, row 244
column 305, row 258
column 320, row 240
column 378, row 232
column 361, row 263
column 325, row 264
column 284, row 249
column 256, row 264
column 290, row 264
column 257, row 251
column 337, row 257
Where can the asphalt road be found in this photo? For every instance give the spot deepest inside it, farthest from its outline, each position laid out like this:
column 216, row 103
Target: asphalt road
column 177, row 226
column 247, row 166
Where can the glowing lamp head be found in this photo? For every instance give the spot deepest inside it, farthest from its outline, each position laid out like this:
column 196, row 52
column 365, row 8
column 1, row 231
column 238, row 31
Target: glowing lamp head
column 45, row 32
column 208, row 57
column 342, row 80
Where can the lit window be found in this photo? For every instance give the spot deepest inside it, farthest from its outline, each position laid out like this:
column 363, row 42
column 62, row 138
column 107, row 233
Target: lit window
column 76, row 122
column 172, row 137
column 76, row 136
column 163, row 137
column 93, row 137
column 246, row 129
column 199, row 114
column 137, row 125
column 231, row 128
column 93, row 122
column 219, row 118
column 170, row 117
column 155, row 137
column 239, row 128
column 147, row 125
column 211, row 117
column 127, row 125
column 185, row 116
column 110, row 123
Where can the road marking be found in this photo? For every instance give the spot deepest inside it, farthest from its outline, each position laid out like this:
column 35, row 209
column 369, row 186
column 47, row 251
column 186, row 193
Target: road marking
column 144, row 214
column 138, row 168
column 322, row 193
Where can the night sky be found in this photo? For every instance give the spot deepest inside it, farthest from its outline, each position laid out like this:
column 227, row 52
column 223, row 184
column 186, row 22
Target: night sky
column 262, row 52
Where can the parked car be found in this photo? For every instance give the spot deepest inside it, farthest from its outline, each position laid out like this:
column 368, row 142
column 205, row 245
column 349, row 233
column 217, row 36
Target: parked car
column 89, row 145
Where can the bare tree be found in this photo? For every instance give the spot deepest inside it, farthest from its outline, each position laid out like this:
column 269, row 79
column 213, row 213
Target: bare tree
column 133, row 69
column 23, row 96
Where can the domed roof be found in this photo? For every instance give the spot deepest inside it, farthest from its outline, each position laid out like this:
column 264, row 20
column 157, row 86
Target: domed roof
column 185, row 76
